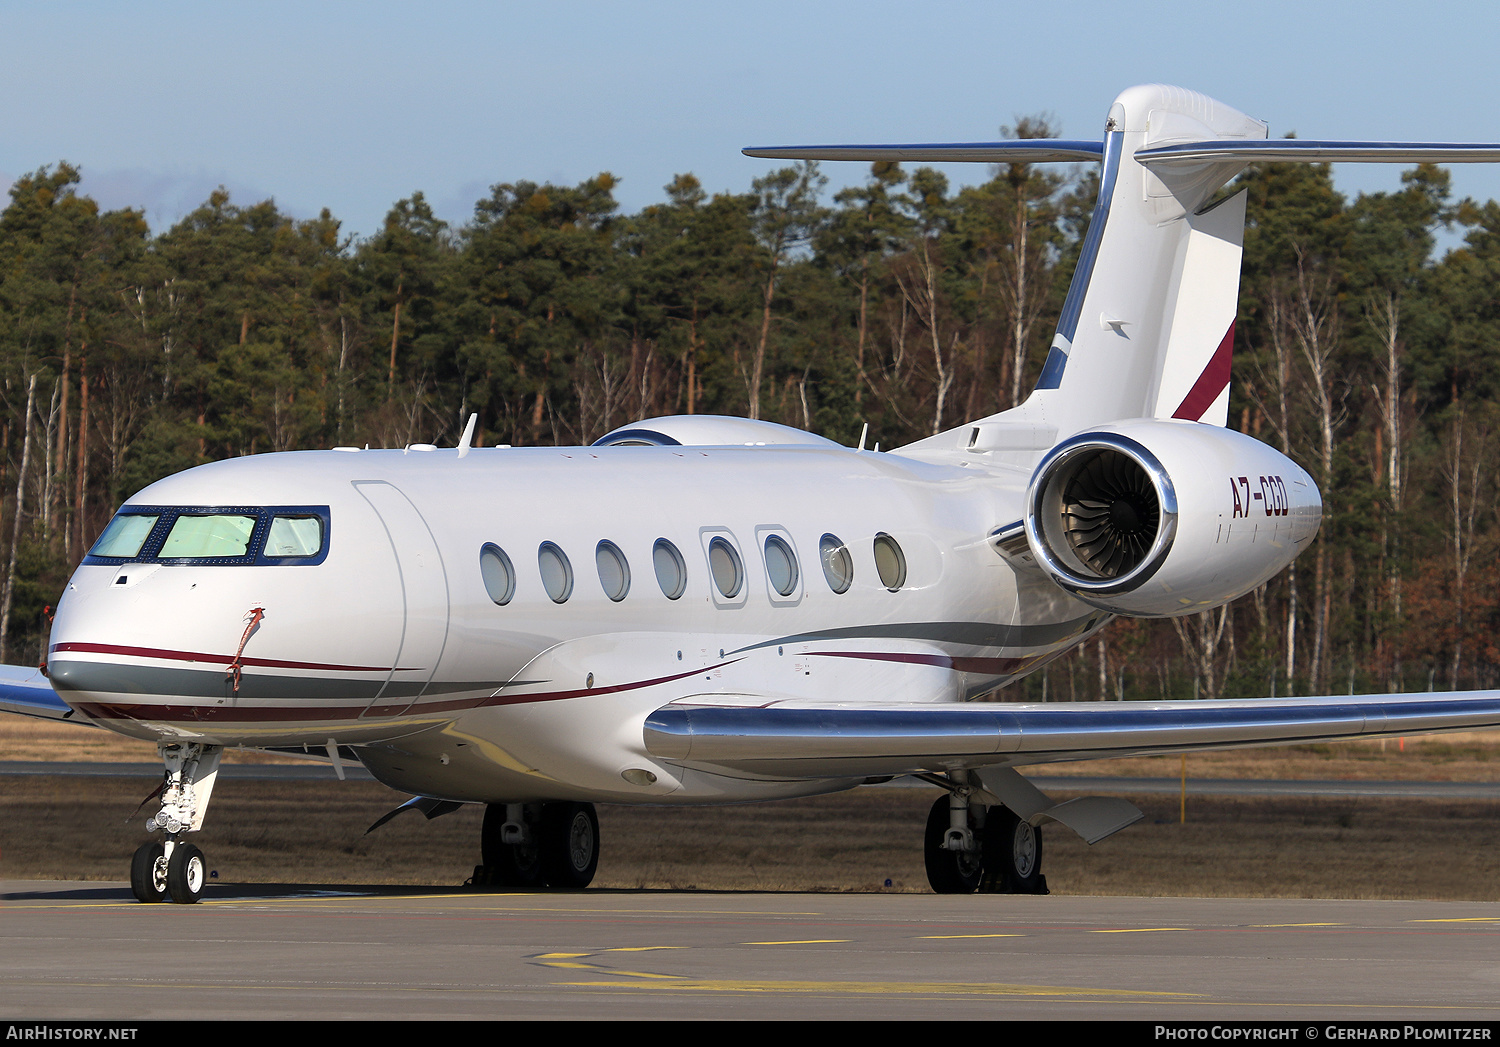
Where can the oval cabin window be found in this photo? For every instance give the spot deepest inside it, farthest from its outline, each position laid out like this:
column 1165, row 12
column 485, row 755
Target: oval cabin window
column 557, row 573
column 498, row 574
column 614, row 570
column 671, row 571
column 838, row 565
column 781, row 565
column 890, row 562
column 724, row 563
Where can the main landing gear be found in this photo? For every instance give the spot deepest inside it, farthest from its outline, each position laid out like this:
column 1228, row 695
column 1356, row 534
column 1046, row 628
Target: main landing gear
column 534, row 845
column 969, row 847
column 171, row 868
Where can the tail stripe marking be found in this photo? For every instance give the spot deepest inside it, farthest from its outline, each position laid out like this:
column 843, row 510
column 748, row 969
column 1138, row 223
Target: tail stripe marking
column 1213, row 381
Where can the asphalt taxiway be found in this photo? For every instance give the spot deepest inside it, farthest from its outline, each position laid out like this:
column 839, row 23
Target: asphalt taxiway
column 87, row 950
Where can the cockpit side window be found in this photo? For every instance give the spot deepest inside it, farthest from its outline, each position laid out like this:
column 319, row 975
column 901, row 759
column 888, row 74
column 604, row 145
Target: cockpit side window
column 295, row 536
column 125, row 535
column 215, row 536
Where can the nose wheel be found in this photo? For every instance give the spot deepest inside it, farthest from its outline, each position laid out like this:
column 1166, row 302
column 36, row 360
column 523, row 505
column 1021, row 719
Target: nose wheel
column 185, row 874
column 148, row 872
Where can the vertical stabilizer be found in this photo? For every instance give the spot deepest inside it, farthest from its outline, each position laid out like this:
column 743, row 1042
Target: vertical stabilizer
column 1147, row 325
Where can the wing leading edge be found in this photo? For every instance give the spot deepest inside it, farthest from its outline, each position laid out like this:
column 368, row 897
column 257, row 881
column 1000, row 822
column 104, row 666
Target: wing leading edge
column 799, row 740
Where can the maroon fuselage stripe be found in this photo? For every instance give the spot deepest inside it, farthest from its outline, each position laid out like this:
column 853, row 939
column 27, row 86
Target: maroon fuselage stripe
column 217, row 659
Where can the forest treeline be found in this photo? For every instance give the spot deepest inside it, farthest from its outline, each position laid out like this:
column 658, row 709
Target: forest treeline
column 127, row 354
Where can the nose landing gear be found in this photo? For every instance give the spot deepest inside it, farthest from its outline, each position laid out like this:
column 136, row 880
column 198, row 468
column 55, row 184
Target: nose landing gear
column 172, row 868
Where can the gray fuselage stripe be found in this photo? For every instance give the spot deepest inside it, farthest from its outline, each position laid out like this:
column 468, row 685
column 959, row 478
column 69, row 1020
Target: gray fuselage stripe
column 968, row 634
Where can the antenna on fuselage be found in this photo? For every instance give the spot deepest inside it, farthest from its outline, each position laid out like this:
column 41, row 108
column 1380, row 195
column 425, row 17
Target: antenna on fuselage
column 862, row 434
column 466, row 441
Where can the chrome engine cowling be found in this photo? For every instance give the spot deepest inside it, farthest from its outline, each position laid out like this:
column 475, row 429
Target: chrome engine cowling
column 1155, row 517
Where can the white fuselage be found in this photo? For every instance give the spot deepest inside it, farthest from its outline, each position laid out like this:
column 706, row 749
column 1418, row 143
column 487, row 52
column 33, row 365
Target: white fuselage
column 393, row 643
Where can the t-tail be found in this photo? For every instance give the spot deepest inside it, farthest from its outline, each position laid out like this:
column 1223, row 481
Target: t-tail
column 1147, row 328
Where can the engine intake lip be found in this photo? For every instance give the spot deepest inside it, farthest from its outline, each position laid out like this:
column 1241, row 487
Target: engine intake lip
column 1044, row 515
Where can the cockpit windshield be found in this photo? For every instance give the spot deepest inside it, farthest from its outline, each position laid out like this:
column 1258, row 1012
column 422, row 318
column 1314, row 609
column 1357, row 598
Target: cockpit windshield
column 214, row 535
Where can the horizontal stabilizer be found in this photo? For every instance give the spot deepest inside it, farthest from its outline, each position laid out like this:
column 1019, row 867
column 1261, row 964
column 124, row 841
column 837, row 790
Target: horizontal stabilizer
column 1021, row 151
column 26, row 691
column 1182, row 154
column 1296, row 150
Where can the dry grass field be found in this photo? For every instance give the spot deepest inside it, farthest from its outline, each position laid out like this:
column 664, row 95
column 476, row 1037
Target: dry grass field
column 313, row 832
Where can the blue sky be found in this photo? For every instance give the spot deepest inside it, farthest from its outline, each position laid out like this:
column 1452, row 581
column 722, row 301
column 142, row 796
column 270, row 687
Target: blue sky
column 352, row 106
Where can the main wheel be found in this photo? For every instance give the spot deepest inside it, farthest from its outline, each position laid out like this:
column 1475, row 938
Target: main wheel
column 570, row 844
column 185, row 874
column 1012, row 854
column 509, row 865
column 949, row 872
column 148, row 872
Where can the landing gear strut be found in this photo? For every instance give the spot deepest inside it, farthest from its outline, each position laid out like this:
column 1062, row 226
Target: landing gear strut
column 527, row 846
column 970, row 847
column 172, row 868
column 950, row 871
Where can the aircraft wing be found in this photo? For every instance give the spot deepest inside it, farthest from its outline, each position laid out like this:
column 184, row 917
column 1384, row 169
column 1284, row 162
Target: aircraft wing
column 796, row 739
column 26, row 691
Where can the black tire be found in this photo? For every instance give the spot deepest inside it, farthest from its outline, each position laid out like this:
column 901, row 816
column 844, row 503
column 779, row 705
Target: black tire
column 148, row 873
column 186, row 874
column 1012, row 854
column 507, row 865
column 947, row 871
column 570, row 844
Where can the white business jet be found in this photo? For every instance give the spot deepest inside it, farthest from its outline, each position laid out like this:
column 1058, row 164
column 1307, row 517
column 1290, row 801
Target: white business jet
column 702, row 610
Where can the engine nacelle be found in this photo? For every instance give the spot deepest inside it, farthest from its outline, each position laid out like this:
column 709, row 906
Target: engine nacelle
column 1155, row 517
